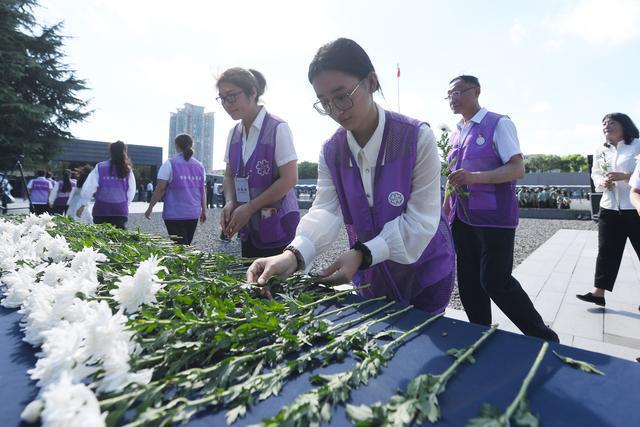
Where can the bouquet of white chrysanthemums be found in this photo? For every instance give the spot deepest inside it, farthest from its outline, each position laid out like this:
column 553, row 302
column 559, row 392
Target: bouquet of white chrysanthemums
column 85, row 347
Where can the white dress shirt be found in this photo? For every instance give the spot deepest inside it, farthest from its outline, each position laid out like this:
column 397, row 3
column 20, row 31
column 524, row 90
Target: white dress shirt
column 505, row 136
column 402, row 239
column 615, row 159
column 91, row 186
column 285, row 151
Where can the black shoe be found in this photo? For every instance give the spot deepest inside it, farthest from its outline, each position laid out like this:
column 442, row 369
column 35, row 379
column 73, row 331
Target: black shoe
column 589, row 297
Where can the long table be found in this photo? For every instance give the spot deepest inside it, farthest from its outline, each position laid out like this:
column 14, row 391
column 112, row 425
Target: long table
column 559, row 394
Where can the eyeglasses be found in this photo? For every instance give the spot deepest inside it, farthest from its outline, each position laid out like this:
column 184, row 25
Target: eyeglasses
column 341, row 102
column 455, row 93
column 229, row 98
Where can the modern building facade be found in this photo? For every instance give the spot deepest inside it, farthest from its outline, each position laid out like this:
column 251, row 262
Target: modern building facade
column 193, row 120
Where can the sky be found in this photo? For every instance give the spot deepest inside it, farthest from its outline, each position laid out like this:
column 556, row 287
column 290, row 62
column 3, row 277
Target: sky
column 556, row 67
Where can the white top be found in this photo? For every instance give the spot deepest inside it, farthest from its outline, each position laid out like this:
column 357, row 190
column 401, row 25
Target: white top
column 402, row 239
column 166, row 172
column 91, row 186
column 285, row 151
column 634, row 181
column 505, row 137
column 612, row 159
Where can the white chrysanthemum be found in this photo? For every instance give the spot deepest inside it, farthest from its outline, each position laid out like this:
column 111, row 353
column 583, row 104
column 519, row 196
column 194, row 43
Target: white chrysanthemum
column 18, row 286
column 55, row 273
column 37, row 314
column 68, row 404
column 31, row 413
column 132, row 292
column 107, row 333
column 84, row 263
column 55, row 249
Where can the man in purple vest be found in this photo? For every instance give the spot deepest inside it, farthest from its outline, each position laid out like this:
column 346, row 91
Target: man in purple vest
column 485, row 161
column 40, row 190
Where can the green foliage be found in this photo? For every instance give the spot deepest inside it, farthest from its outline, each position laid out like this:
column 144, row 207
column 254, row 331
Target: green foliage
column 552, row 162
column 579, row 364
column 307, row 170
column 445, row 148
column 38, row 99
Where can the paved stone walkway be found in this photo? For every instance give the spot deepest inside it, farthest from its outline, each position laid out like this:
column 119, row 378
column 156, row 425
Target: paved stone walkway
column 563, row 267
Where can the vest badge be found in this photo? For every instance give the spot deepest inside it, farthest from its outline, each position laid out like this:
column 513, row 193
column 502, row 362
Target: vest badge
column 263, row 167
column 396, row 198
column 480, row 140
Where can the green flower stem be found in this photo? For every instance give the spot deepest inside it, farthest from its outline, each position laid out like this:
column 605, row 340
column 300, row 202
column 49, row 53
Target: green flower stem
column 413, row 330
column 522, row 393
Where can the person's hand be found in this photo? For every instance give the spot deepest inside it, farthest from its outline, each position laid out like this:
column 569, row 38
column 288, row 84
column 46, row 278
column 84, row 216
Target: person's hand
column 239, row 218
column 225, row 216
column 262, row 269
column 446, row 208
column 203, row 216
column 617, row 176
column 608, row 183
column 79, row 211
column 148, row 212
column 343, row 269
column 461, row 177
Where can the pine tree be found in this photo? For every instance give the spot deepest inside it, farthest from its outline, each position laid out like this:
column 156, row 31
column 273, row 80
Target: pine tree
column 38, row 92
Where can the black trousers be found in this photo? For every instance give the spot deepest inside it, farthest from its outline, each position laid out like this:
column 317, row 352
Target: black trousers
column 59, row 209
column 250, row 251
column 181, row 231
column 614, row 227
column 39, row 209
column 116, row 221
column 485, row 263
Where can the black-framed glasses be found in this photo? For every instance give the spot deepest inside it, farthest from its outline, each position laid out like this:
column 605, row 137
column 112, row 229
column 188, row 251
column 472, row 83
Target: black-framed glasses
column 229, row 98
column 340, row 102
column 458, row 92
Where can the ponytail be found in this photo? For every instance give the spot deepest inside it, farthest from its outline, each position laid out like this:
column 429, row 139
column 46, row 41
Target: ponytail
column 185, row 143
column 119, row 159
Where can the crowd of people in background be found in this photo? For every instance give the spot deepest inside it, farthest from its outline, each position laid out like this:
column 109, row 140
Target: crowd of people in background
column 378, row 176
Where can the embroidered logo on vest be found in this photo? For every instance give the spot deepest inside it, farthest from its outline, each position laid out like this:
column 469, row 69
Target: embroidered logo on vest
column 396, row 198
column 480, row 140
column 263, row 168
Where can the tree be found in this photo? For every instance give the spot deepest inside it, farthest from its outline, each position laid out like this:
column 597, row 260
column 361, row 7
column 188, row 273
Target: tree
column 576, row 163
column 38, row 99
column 552, row 162
column 307, row 170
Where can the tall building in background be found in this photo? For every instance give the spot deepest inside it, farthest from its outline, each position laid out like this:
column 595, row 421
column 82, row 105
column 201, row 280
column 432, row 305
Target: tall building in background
column 193, row 120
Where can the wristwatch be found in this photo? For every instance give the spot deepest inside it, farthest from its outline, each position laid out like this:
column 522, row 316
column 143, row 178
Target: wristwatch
column 366, row 255
column 298, row 255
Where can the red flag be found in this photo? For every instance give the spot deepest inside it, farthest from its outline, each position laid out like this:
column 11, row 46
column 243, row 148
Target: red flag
column 398, row 73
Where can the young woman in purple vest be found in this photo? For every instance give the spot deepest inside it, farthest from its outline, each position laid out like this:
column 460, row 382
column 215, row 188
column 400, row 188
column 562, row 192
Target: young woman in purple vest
column 613, row 166
column 114, row 186
column 39, row 190
column 181, row 181
column 261, row 171
column 485, row 162
column 379, row 175
column 62, row 192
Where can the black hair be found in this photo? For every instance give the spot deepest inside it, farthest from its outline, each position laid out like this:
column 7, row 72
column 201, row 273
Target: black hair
column 473, row 80
column 245, row 79
column 629, row 129
column 119, row 159
column 40, row 173
column 342, row 55
column 66, row 181
column 185, row 143
column 83, row 174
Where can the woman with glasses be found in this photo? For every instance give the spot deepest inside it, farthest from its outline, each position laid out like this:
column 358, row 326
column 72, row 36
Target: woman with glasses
column 261, row 171
column 379, row 174
column 613, row 166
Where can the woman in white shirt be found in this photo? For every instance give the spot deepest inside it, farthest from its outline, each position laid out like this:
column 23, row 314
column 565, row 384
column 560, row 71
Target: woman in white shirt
column 261, row 171
column 613, row 165
column 379, row 174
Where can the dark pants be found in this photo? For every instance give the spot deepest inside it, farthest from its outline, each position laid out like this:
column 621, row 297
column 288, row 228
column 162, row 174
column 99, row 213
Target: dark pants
column 181, row 231
column 485, row 263
column 250, row 251
column 614, row 227
column 116, row 221
column 59, row 209
column 40, row 209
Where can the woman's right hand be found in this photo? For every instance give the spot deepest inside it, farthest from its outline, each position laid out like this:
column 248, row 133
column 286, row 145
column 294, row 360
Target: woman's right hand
column 225, row 216
column 262, row 269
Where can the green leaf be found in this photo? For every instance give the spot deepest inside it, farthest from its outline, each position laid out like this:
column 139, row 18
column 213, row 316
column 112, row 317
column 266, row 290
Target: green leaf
column 579, row 364
column 359, row 413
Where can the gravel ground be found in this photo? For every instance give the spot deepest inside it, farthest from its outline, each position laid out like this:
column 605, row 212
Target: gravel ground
column 531, row 233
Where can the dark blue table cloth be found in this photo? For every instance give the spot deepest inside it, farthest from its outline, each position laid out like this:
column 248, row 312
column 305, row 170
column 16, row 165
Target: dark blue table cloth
column 559, row 394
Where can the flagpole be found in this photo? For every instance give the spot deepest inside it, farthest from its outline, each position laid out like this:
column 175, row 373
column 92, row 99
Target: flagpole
column 398, row 76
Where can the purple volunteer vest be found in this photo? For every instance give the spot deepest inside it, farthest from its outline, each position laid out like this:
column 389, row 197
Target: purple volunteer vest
column 487, row 205
column 428, row 282
column 40, row 188
column 261, row 170
column 111, row 197
column 183, row 198
column 62, row 199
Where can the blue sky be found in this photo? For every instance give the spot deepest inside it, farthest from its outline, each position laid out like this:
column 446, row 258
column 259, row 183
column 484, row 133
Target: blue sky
column 555, row 67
